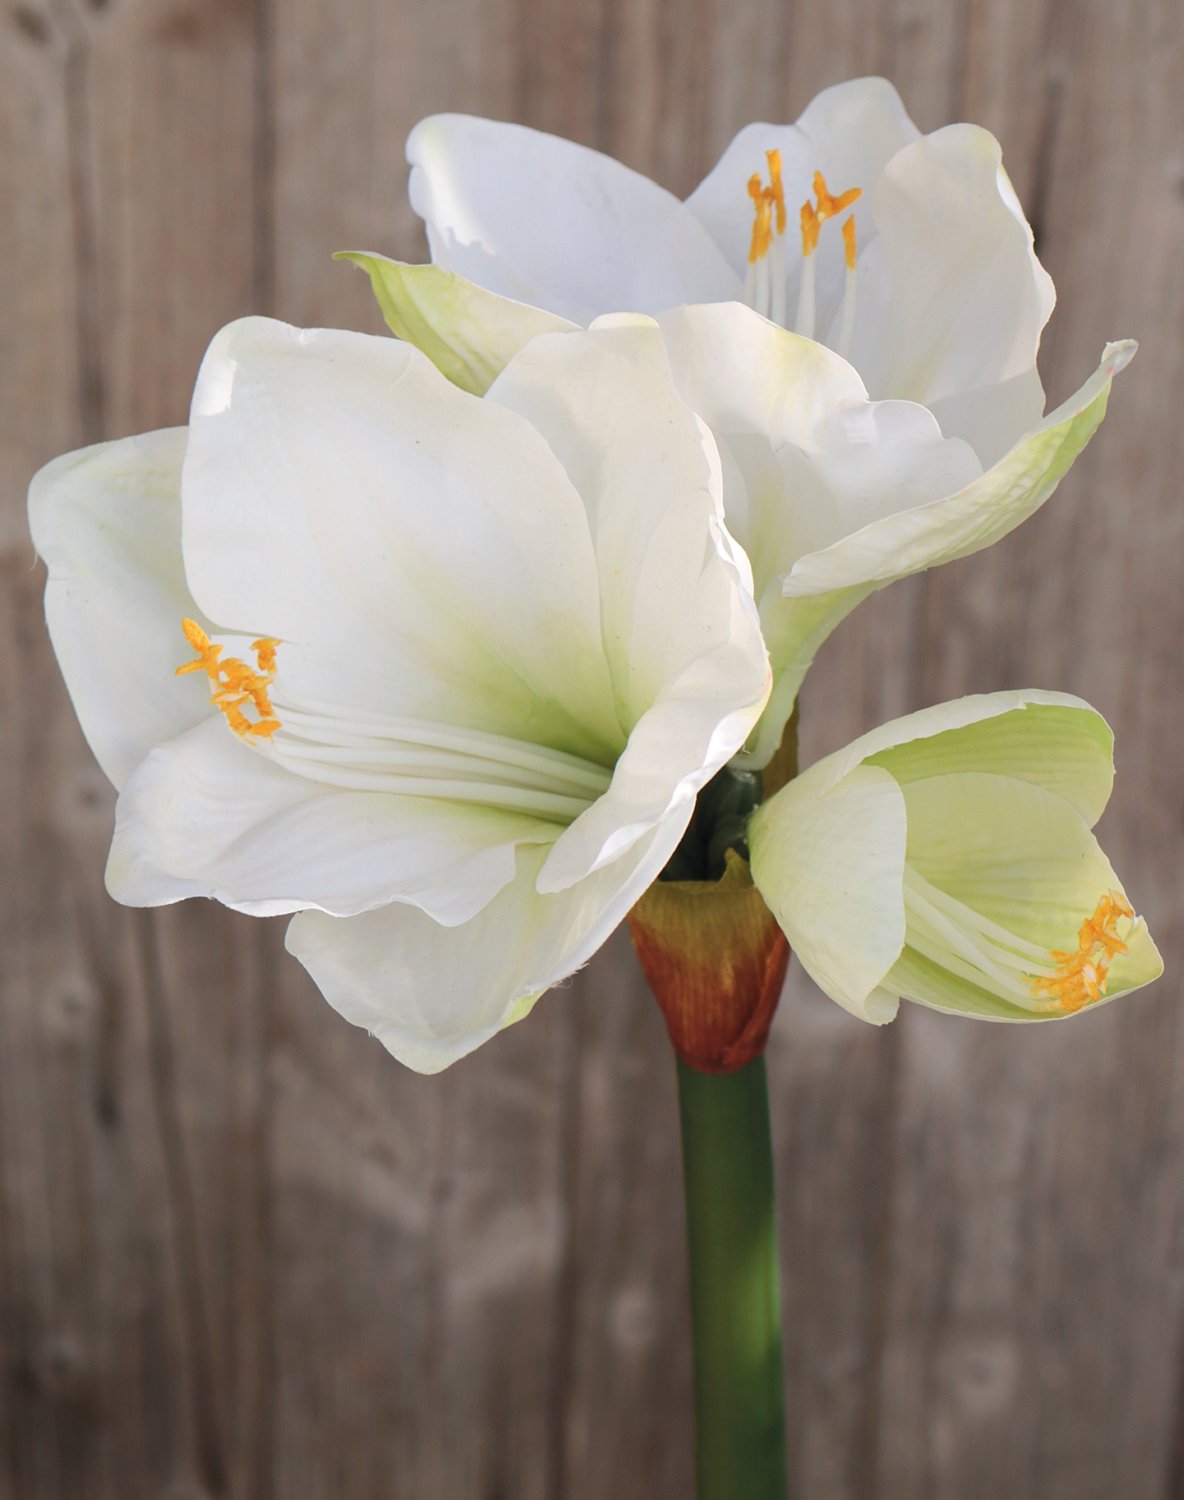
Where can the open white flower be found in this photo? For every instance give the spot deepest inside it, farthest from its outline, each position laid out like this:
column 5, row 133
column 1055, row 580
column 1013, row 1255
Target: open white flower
column 947, row 858
column 907, row 253
column 460, row 666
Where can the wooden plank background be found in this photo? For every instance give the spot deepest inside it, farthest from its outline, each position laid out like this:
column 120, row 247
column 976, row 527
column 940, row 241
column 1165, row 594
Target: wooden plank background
column 244, row 1254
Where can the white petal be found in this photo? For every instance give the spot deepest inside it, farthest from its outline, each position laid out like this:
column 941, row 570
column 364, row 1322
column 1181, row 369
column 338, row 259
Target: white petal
column 206, row 815
column 680, row 631
column 107, row 521
column 554, row 224
column 828, row 858
column 952, row 299
column 848, row 132
column 432, row 994
column 760, row 390
column 807, row 459
column 419, row 551
column 975, row 516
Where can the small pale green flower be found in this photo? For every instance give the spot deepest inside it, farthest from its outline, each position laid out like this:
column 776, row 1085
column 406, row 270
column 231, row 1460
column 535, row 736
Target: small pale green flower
column 947, row 858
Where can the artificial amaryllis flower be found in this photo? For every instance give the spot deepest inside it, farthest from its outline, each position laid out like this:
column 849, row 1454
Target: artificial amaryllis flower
column 452, row 670
column 947, row 858
column 909, row 254
column 832, row 495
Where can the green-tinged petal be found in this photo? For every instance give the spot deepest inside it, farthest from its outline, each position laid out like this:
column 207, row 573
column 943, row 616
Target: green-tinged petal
column 107, row 521
column 938, row 721
column 1010, row 850
column 975, row 516
column 794, row 631
column 432, row 994
column 1056, row 742
column 829, row 862
column 468, row 333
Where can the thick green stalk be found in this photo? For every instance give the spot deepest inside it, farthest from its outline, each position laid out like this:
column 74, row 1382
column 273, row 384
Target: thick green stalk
column 735, row 1289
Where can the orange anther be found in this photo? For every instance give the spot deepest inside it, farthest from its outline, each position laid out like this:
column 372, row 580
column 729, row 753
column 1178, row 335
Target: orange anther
column 849, row 242
column 195, row 635
column 766, row 202
column 811, row 225
column 828, row 204
column 814, row 215
column 776, row 191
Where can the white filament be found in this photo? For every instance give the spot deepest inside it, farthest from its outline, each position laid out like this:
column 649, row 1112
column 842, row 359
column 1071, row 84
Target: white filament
column 847, row 318
column 414, row 757
column 960, row 939
column 804, row 323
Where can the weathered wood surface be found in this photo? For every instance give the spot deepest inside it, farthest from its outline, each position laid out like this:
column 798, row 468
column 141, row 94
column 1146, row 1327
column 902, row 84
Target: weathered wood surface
column 242, row 1253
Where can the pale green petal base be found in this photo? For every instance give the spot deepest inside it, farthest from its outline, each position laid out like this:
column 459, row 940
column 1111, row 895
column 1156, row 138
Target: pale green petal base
column 469, row 334
column 830, row 869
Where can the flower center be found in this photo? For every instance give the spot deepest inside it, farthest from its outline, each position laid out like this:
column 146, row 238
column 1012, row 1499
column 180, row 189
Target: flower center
column 765, row 283
column 1081, row 976
column 235, row 686
column 371, row 751
column 963, row 941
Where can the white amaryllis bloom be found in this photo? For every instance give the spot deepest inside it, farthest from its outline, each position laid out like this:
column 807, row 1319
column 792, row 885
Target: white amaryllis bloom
column 458, row 666
column 947, row 858
column 926, row 279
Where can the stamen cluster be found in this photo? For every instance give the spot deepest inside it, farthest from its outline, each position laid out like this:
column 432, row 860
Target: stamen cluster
column 769, row 207
column 233, row 683
column 1081, row 975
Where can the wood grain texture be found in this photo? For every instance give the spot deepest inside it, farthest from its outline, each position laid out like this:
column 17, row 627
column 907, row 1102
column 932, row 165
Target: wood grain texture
column 243, row 1255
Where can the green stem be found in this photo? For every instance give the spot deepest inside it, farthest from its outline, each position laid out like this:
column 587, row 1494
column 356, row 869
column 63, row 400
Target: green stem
column 735, row 1290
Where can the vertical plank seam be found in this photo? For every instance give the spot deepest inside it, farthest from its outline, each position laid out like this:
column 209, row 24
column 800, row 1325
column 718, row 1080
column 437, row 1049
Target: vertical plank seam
column 83, row 224
column 207, row 1426
column 259, row 1477
column 567, row 1281
column 871, row 1413
column 263, row 160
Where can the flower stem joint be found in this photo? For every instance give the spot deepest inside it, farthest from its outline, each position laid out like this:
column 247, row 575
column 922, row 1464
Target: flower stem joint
column 711, row 950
